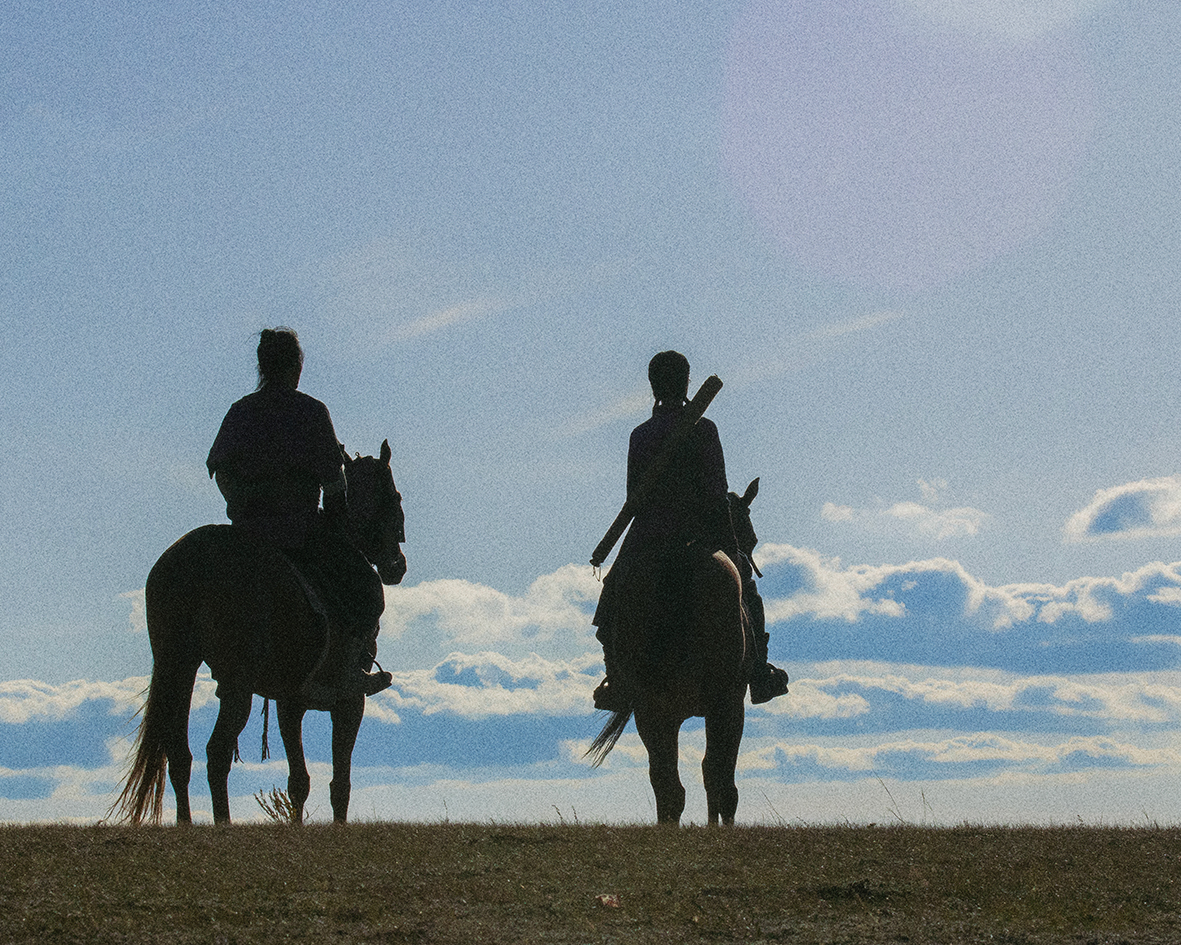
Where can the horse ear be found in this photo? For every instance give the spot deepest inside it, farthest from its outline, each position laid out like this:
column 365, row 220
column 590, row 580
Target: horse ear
column 751, row 491
column 385, row 451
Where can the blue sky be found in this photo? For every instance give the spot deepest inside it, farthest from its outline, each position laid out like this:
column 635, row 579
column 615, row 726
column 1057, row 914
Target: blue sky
column 930, row 247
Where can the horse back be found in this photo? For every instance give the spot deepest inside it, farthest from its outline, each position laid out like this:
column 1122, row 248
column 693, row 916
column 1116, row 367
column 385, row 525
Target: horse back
column 232, row 601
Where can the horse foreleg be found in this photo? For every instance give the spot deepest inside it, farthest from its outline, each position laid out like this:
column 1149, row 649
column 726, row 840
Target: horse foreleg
column 346, row 722
column 723, row 735
column 219, row 751
column 290, row 716
column 660, row 738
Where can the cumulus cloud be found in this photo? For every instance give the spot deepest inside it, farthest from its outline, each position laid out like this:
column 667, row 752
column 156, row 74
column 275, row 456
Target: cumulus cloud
column 489, row 684
column 25, row 700
column 958, row 757
column 1150, row 508
column 856, row 699
column 934, row 612
column 930, row 519
column 433, row 618
column 137, row 620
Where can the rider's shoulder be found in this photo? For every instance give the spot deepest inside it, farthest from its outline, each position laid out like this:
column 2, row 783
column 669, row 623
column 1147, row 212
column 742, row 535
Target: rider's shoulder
column 280, row 398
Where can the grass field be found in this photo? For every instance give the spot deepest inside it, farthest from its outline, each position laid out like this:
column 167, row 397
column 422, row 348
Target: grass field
column 489, row 883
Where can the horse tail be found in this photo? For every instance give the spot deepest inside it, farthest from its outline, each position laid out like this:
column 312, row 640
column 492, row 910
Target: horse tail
column 163, row 726
column 601, row 747
column 142, row 796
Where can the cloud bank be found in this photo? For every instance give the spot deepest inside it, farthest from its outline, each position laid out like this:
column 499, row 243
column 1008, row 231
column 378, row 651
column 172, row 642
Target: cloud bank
column 915, row 674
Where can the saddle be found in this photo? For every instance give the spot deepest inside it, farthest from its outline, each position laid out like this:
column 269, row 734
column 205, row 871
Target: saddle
column 651, row 606
column 278, row 622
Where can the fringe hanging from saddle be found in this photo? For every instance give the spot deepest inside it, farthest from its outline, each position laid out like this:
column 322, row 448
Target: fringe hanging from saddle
column 266, row 724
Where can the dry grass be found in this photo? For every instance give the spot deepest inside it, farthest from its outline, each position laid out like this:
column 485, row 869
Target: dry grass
column 554, row 884
column 276, row 804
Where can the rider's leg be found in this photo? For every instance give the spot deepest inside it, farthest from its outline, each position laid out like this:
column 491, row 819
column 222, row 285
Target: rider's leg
column 605, row 696
column 766, row 681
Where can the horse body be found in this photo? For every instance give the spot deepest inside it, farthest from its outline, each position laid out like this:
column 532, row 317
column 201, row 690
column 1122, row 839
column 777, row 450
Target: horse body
column 703, row 673
column 219, row 597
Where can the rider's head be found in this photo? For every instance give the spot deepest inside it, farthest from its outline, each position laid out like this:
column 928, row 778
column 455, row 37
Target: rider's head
column 668, row 373
column 280, row 358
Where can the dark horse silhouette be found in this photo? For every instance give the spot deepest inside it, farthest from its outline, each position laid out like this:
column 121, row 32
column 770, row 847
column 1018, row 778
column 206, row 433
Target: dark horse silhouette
column 702, row 673
column 236, row 605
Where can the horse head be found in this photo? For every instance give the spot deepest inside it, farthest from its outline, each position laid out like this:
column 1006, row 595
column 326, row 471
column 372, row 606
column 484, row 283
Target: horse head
column 744, row 531
column 375, row 512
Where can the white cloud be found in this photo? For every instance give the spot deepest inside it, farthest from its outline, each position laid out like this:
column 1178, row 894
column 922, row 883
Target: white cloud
column 489, row 684
column 474, row 616
column 137, row 620
column 454, row 314
column 24, row 700
column 634, row 404
column 1150, row 508
column 1117, row 700
column 928, row 521
column 854, row 325
column 830, row 590
column 804, row 349
column 993, row 751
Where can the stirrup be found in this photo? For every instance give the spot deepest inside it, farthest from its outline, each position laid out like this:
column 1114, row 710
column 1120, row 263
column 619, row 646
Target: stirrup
column 373, row 683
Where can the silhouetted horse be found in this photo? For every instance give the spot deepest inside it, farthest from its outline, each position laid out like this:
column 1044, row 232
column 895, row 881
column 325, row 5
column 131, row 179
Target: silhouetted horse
column 234, row 603
column 703, row 672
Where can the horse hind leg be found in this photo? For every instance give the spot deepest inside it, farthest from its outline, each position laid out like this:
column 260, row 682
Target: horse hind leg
column 219, row 752
column 346, row 723
column 660, row 738
column 176, row 743
column 299, row 785
column 723, row 735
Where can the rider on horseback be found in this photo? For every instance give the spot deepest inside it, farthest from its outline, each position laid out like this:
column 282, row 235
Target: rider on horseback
column 275, row 451
column 688, row 508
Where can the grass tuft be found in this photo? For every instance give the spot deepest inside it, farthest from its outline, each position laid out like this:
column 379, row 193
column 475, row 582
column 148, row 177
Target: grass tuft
column 276, row 804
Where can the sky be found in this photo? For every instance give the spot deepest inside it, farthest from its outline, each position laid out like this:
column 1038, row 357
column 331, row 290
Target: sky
column 929, row 246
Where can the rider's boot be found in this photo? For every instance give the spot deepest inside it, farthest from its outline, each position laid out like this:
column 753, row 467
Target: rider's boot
column 608, row 698
column 358, row 662
column 766, row 681
column 344, row 673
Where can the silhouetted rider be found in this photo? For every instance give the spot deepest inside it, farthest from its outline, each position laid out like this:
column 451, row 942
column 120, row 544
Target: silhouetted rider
column 275, row 452
column 688, row 507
